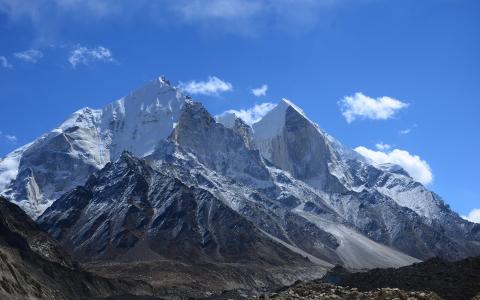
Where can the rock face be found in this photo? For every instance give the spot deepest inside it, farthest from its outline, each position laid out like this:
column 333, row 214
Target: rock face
column 131, row 220
column 130, row 212
column 221, row 149
column 34, row 266
column 291, row 142
column 40, row 172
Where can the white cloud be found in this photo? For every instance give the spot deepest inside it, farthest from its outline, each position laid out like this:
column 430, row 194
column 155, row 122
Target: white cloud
column 212, row 86
column 83, row 55
column 363, row 107
column 9, row 138
column 413, row 164
column 253, row 114
column 261, row 91
column 31, row 56
column 473, row 216
column 382, row 147
column 405, row 131
column 4, row 63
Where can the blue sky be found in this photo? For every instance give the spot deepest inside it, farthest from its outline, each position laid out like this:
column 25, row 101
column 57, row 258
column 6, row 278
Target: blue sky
column 334, row 58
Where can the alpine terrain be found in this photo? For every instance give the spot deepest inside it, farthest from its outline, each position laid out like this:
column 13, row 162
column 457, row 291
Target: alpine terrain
column 154, row 187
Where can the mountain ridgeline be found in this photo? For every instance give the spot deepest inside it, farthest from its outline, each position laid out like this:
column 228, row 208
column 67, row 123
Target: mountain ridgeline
column 154, row 182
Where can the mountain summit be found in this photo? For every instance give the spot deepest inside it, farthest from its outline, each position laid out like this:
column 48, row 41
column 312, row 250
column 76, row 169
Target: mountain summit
column 40, row 172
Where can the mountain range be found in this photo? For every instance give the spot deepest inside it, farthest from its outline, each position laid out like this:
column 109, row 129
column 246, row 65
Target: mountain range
column 153, row 186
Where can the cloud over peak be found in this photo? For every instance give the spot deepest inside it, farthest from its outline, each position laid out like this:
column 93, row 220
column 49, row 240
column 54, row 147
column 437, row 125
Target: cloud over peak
column 382, row 147
column 260, row 91
column 360, row 106
column 473, row 216
column 413, row 164
column 253, row 114
column 82, row 55
column 212, row 86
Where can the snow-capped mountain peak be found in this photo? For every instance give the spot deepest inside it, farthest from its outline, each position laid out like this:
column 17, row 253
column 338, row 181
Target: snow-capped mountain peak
column 138, row 121
column 273, row 122
column 42, row 171
column 85, row 117
column 287, row 103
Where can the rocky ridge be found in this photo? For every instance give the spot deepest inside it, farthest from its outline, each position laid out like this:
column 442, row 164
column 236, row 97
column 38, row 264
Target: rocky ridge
column 34, row 266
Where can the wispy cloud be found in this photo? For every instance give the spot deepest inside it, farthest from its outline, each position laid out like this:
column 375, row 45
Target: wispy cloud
column 252, row 114
column 413, row 164
column 244, row 17
column 31, row 56
column 233, row 16
column 261, row 91
column 212, row 86
column 360, row 106
column 4, row 63
column 218, row 9
column 473, row 216
column 252, row 17
column 84, row 56
column 8, row 137
column 408, row 130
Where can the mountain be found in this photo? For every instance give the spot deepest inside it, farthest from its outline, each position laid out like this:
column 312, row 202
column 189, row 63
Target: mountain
column 34, row 266
column 40, row 172
column 266, row 204
column 129, row 214
column 269, row 197
column 385, row 204
column 129, row 210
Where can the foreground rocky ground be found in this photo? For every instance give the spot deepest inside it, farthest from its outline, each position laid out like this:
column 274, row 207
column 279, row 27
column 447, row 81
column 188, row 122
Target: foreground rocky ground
column 450, row 280
column 330, row 292
column 432, row 279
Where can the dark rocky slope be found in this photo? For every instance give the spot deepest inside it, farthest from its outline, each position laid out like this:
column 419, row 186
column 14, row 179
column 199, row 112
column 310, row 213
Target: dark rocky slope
column 130, row 220
column 34, row 266
column 450, row 280
column 430, row 280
